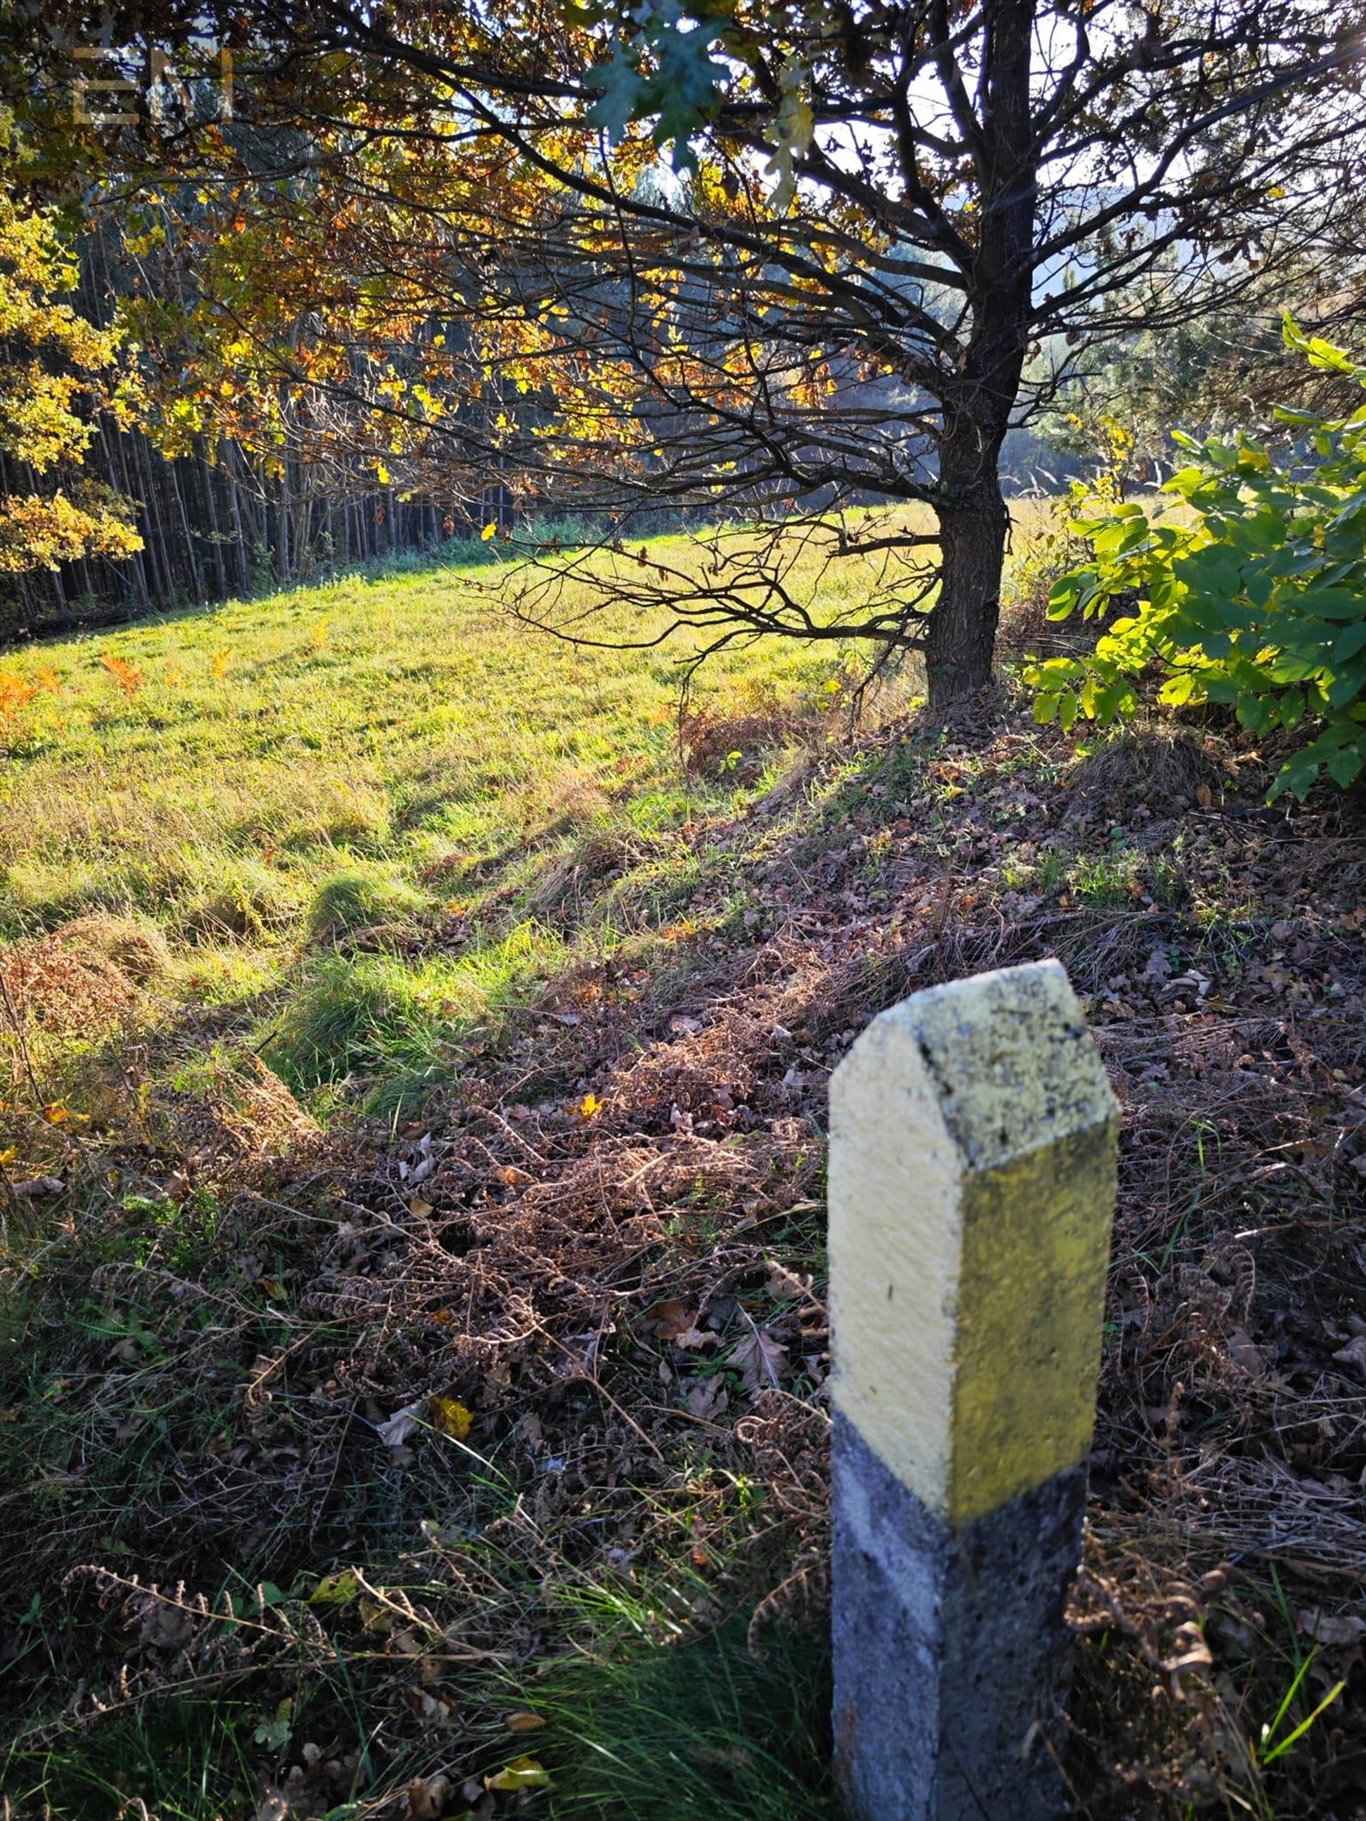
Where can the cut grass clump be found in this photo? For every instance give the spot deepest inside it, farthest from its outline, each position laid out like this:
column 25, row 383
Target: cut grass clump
column 134, row 944
column 734, row 748
column 1154, row 766
column 390, row 1029
column 67, row 993
column 230, row 1102
column 574, row 880
column 222, row 976
column 361, row 897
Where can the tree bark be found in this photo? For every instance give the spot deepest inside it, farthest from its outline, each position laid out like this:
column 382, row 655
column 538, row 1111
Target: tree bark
column 961, row 634
column 978, row 402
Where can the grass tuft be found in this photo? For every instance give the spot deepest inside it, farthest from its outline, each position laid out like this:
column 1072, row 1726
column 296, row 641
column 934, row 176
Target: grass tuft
column 698, row 1730
column 360, row 898
column 368, row 1016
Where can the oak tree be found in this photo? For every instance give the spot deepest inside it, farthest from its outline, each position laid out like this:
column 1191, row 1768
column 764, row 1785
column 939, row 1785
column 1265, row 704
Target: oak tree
column 887, row 233
column 56, row 369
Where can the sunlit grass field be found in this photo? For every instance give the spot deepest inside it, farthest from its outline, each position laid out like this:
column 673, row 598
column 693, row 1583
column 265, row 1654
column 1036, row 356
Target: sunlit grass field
column 224, row 761
column 389, row 752
column 395, row 753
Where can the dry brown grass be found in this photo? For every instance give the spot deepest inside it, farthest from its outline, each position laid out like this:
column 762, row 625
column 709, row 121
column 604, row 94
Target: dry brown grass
column 1158, row 764
column 72, row 990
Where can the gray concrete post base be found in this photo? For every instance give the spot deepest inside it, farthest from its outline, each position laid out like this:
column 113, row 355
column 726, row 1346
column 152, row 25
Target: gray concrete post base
column 951, row 1654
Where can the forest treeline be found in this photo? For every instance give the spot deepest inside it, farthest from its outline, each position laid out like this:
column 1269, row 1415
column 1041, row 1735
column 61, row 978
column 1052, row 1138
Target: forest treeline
column 211, row 528
column 216, row 515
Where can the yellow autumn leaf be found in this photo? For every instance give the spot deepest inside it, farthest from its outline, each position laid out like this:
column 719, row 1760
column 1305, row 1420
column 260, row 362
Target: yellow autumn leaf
column 58, row 1113
column 524, row 1722
column 451, row 1416
column 336, row 1589
column 9, row 1155
column 522, row 1773
column 589, row 1107
column 490, row 530
column 375, row 1615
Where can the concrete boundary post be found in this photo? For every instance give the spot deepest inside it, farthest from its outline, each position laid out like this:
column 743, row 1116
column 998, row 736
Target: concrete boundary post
column 972, row 1173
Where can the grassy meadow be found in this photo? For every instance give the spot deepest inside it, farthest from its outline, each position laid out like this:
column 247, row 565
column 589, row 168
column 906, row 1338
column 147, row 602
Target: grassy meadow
column 390, row 752
column 414, row 1041
column 385, row 753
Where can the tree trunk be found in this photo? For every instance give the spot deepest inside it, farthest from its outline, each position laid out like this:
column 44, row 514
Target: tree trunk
column 978, row 401
column 973, row 520
column 961, row 634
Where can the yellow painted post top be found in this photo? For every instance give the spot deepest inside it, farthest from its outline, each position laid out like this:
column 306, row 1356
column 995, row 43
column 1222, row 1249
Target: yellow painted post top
column 972, row 1168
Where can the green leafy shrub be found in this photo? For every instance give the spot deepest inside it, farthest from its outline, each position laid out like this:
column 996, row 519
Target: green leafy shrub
column 1040, row 556
column 1252, row 594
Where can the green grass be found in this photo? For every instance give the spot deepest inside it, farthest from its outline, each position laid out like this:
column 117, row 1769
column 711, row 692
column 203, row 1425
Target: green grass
column 360, row 897
column 270, row 746
column 695, row 1731
column 386, row 762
